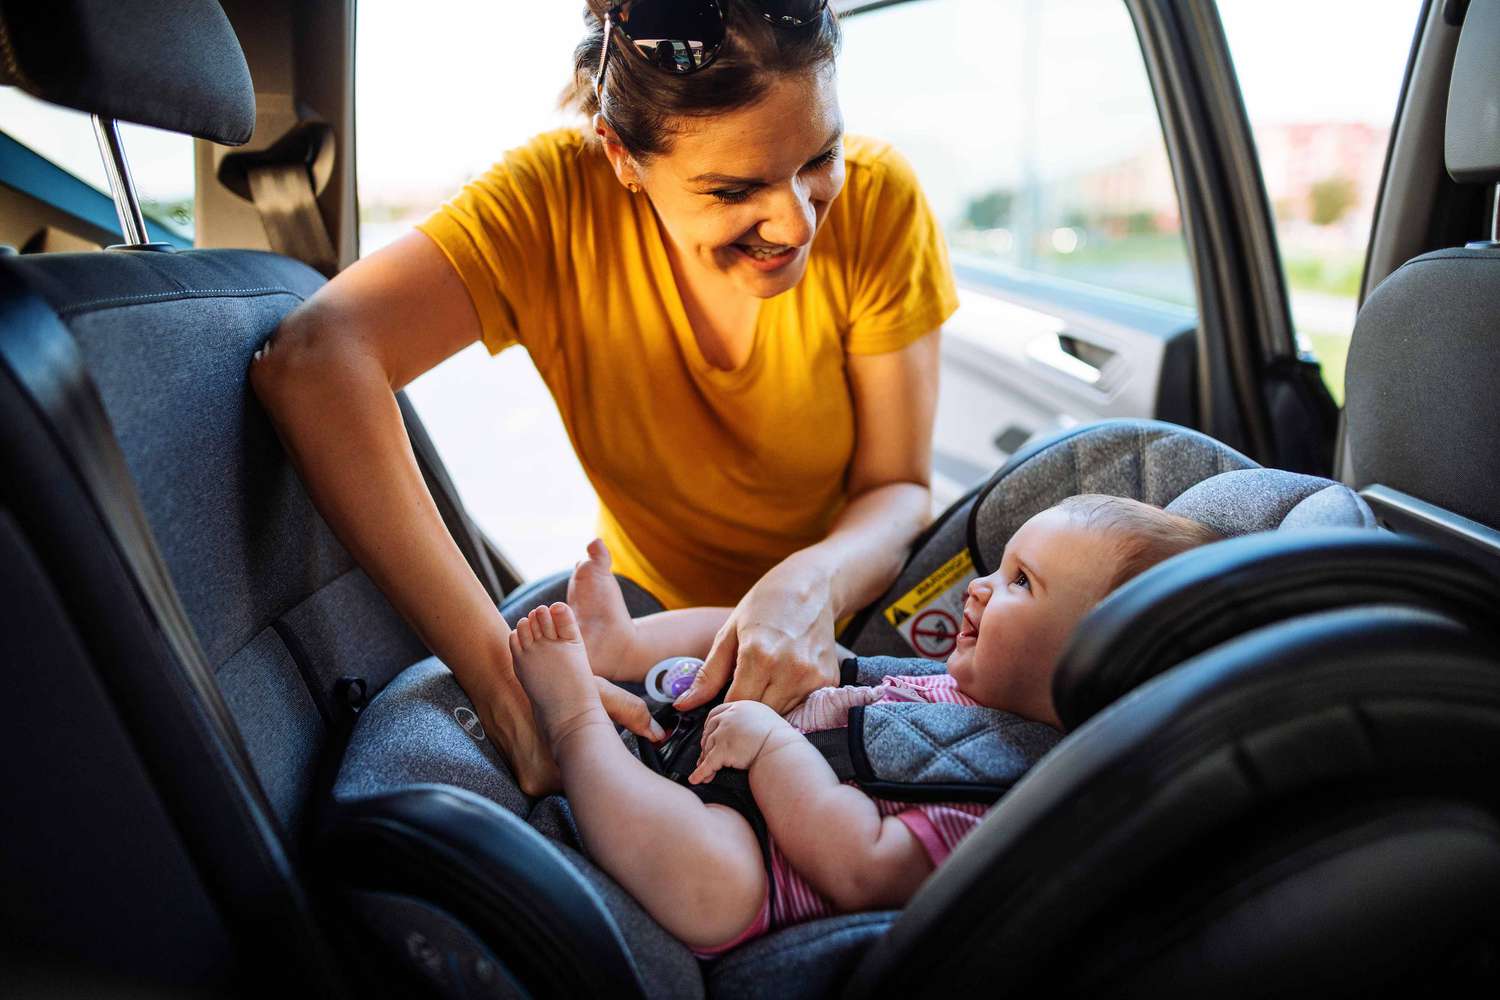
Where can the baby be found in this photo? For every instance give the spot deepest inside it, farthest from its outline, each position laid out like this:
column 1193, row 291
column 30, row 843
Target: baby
column 697, row 867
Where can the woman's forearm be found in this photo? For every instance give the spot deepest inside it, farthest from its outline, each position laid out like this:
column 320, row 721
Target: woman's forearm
column 869, row 542
column 339, row 421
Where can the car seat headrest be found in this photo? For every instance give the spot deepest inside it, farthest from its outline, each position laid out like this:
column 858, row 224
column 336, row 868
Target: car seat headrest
column 1249, row 500
column 170, row 64
column 1147, row 460
column 1471, row 142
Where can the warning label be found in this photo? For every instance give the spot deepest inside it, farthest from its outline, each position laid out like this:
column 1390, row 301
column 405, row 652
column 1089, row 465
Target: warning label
column 927, row 616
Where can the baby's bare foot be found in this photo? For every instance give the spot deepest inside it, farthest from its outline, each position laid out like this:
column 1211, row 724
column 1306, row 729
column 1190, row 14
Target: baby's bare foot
column 553, row 667
column 594, row 594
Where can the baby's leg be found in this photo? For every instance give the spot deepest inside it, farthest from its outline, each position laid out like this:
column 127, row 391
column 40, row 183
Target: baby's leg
column 622, row 649
column 695, row 867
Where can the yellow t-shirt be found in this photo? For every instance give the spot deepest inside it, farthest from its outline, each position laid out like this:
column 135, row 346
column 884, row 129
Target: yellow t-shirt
column 707, row 478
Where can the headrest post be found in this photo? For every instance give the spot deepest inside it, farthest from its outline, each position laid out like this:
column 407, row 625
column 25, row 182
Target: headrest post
column 127, row 205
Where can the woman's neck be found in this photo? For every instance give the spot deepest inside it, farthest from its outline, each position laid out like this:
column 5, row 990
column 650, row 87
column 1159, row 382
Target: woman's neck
column 723, row 317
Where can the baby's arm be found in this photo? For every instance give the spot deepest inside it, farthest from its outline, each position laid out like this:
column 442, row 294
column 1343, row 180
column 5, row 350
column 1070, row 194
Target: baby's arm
column 832, row 833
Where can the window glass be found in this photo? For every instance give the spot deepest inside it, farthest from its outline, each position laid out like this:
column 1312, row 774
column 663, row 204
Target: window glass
column 439, row 100
column 1034, row 130
column 1321, row 110
column 161, row 163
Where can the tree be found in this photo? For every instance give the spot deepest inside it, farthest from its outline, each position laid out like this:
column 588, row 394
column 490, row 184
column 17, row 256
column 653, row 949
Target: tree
column 1332, row 198
column 991, row 210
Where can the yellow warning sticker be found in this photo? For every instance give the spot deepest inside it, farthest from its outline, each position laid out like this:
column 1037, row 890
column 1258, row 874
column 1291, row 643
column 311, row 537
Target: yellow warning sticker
column 928, row 615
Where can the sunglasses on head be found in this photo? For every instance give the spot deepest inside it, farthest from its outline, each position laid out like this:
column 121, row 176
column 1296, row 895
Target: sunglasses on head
column 684, row 36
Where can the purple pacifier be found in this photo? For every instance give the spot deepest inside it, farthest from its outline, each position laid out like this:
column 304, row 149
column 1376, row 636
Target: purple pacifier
column 670, row 679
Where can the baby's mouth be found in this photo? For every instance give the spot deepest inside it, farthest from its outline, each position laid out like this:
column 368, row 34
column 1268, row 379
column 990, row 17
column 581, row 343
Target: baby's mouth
column 969, row 629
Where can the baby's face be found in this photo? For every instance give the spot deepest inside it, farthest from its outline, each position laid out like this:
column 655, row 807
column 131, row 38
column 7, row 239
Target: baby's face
column 1018, row 619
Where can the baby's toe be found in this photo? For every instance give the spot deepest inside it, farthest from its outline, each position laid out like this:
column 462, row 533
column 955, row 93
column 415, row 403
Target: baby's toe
column 566, row 623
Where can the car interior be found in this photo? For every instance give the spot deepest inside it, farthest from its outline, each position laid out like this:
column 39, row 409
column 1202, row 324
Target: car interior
column 230, row 766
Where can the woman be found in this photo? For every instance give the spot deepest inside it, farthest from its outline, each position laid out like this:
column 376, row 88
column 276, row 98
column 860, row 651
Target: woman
column 736, row 309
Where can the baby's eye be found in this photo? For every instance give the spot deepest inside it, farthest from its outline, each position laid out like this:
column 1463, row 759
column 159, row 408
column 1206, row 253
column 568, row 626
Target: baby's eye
column 1021, row 580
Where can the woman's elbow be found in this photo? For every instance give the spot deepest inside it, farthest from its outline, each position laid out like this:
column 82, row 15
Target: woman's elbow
column 294, row 358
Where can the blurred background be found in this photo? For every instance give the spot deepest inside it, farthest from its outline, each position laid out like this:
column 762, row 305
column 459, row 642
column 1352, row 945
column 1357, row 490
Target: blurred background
column 1031, row 125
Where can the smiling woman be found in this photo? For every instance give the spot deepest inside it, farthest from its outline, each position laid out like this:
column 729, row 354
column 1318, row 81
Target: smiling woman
column 734, row 306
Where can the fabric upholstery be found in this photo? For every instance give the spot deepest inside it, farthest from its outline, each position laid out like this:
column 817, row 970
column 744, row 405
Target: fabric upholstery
column 916, row 743
column 170, row 64
column 422, row 730
column 807, row 960
column 348, row 630
column 278, row 720
column 1421, row 412
column 1247, row 500
column 270, row 592
column 870, row 670
column 1145, row 459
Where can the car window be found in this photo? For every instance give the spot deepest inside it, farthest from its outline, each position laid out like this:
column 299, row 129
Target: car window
column 437, row 83
column 161, row 163
column 1321, row 112
column 1034, row 130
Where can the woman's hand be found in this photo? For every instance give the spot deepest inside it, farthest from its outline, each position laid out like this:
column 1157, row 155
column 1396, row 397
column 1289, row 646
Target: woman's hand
column 736, row 735
column 778, row 643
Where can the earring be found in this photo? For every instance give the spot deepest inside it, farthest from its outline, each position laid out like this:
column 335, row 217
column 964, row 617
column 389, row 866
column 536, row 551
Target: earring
column 634, row 188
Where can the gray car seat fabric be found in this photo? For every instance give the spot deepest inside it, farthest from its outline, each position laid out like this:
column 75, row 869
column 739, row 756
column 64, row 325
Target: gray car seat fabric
column 809, row 960
column 916, row 744
column 1421, row 412
column 1145, row 459
column 1249, row 500
column 279, row 608
column 422, row 729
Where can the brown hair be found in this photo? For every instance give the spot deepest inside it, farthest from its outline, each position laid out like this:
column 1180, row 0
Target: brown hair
column 1145, row 535
column 642, row 103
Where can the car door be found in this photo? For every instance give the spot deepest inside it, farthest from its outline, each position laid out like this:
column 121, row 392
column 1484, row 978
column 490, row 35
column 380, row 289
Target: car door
column 1094, row 169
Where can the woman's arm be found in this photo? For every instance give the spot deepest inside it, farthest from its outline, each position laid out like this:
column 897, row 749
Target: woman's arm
column 779, row 641
column 874, row 862
column 328, row 378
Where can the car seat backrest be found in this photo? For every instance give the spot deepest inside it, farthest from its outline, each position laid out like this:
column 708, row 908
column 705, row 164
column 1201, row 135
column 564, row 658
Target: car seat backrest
column 1423, row 392
column 107, row 660
column 280, row 610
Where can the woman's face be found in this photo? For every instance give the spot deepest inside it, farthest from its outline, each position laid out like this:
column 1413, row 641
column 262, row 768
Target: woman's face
column 741, row 195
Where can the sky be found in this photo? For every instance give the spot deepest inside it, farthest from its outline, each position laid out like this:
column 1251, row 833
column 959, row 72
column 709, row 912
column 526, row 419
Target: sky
column 446, row 86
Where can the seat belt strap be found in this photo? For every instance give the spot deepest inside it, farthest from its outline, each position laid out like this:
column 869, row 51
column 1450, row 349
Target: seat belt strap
column 283, row 194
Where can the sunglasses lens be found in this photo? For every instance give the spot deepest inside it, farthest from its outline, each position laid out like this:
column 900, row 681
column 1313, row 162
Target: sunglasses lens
column 791, row 13
column 675, row 36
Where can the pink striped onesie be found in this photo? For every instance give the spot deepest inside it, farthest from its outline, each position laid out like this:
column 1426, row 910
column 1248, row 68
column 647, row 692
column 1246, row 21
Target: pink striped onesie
column 938, row 827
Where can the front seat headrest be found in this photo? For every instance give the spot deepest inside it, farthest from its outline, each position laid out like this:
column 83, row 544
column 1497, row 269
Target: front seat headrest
column 1471, row 144
column 170, row 64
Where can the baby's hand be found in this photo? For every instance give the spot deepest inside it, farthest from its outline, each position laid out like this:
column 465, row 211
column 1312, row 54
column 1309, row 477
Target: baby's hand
column 735, row 734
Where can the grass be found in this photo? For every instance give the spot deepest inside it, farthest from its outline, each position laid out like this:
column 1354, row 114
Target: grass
column 1339, row 276
column 1332, row 352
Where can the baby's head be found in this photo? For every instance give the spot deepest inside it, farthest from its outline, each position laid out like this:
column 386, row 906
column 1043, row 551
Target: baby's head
column 1055, row 568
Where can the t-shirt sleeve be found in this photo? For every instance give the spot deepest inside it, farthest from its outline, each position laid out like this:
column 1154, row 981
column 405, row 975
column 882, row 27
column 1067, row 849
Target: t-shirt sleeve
column 902, row 286
column 501, row 232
